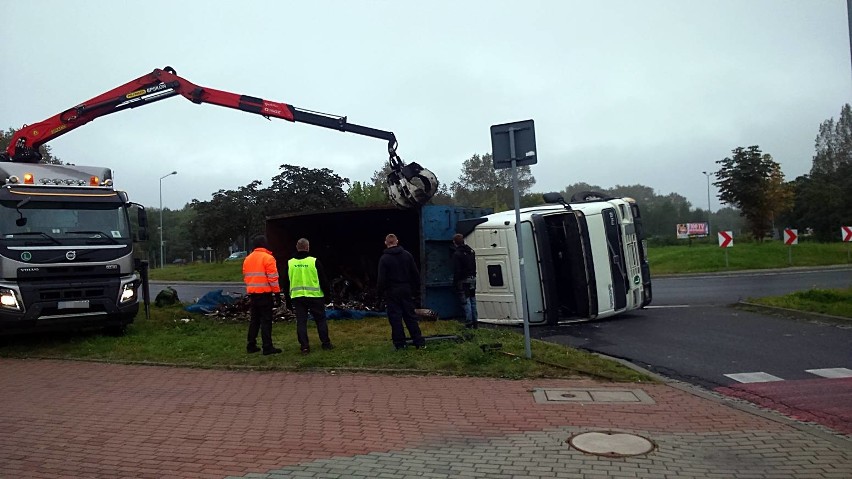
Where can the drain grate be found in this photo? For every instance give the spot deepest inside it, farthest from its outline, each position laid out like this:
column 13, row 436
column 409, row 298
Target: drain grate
column 597, row 395
column 611, row 444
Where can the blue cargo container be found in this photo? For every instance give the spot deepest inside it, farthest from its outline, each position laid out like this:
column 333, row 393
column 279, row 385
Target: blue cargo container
column 349, row 243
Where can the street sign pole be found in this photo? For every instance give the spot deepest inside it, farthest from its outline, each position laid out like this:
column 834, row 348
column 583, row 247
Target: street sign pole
column 520, row 136
column 527, row 348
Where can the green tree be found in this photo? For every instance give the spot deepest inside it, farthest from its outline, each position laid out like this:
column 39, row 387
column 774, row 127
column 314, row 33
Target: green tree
column 822, row 200
column 365, row 194
column 45, row 150
column 753, row 182
column 481, row 185
column 298, row 188
column 217, row 222
column 660, row 213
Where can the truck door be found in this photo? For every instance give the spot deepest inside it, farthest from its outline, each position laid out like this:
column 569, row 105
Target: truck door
column 495, row 287
column 567, row 277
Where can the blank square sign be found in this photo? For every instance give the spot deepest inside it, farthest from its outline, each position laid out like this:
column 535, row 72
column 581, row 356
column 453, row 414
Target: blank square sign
column 524, row 139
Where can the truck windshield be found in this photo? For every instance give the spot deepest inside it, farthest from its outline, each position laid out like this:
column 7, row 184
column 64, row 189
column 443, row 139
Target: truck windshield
column 64, row 223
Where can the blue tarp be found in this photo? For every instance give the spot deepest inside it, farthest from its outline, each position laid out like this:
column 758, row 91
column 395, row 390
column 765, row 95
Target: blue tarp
column 211, row 301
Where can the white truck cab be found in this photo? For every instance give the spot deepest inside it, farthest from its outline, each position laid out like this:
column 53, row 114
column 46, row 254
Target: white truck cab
column 582, row 260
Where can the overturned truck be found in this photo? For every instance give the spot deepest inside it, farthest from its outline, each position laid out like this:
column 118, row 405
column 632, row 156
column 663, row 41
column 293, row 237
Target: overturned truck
column 583, row 260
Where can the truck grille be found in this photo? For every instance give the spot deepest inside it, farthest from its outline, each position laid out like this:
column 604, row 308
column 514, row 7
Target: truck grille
column 72, row 293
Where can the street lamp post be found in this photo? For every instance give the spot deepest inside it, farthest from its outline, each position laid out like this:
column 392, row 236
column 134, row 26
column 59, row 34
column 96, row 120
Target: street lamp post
column 708, row 200
column 162, row 244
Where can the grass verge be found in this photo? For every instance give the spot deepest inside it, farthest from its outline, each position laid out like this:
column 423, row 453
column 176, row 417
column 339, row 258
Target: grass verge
column 705, row 258
column 834, row 302
column 173, row 336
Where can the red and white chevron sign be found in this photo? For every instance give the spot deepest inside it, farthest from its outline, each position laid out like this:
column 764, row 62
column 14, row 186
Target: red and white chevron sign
column 726, row 239
column 791, row 236
column 846, row 233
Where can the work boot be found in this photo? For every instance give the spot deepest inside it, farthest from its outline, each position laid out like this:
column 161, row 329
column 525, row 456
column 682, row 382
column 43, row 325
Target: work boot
column 252, row 348
column 267, row 352
column 328, row 346
column 306, row 351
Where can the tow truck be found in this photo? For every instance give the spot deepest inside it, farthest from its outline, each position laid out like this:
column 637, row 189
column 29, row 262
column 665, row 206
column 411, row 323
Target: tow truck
column 66, row 247
column 408, row 185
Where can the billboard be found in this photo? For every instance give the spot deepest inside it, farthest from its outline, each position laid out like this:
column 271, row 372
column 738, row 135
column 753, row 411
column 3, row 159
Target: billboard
column 687, row 230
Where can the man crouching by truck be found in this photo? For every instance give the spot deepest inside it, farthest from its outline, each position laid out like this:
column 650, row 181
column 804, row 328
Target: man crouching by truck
column 399, row 282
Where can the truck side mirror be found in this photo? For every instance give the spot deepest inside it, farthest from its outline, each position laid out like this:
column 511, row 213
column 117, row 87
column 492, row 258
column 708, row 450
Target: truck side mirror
column 142, row 219
column 553, row 198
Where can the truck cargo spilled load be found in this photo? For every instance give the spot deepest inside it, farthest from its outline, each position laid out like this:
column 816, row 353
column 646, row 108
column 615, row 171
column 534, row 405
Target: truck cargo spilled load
column 583, row 260
column 349, row 242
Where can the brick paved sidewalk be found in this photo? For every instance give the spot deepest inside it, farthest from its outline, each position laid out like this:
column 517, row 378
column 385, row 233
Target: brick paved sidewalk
column 80, row 419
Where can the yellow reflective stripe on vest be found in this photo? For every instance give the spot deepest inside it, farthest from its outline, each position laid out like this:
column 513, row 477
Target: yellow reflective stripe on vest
column 304, row 280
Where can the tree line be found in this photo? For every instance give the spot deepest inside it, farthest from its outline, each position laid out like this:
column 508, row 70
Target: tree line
column 750, row 183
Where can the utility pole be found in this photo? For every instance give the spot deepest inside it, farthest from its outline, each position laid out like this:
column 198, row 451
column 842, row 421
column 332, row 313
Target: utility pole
column 708, row 193
column 162, row 243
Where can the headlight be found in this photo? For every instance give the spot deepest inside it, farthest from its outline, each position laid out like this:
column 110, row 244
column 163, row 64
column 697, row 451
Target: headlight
column 128, row 292
column 9, row 299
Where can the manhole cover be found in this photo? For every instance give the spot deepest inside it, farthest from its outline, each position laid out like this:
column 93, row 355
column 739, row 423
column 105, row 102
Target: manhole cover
column 611, row 444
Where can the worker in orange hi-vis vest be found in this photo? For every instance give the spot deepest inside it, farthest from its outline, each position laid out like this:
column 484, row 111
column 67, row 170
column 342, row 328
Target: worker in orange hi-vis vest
column 260, row 274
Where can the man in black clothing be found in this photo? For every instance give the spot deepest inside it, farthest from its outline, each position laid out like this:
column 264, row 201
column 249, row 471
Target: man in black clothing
column 399, row 282
column 464, row 280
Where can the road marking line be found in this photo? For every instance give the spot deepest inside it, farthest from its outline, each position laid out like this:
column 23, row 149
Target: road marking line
column 756, row 377
column 832, row 372
column 668, row 306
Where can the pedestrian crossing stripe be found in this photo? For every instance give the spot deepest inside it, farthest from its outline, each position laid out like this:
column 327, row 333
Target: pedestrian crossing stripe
column 762, row 377
column 832, row 373
column 756, row 377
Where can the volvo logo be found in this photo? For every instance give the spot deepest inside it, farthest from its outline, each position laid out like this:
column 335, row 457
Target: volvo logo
column 71, row 255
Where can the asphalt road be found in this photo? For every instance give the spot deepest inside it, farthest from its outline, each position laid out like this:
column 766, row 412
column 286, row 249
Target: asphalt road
column 727, row 288
column 694, row 334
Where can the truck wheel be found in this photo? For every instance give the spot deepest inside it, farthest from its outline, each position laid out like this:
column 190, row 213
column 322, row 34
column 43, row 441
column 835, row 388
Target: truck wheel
column 584, row 196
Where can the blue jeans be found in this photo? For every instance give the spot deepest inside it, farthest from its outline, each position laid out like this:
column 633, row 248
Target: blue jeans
column 466, row 294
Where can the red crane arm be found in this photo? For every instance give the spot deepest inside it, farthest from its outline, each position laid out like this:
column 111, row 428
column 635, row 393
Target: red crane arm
column 407, row 185
column 159, row 85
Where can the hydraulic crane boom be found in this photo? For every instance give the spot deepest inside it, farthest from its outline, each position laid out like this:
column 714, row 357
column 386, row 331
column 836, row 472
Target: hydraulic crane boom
column 408, row 185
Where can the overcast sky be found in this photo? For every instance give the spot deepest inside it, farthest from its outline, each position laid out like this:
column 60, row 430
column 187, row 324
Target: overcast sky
column 622, row 92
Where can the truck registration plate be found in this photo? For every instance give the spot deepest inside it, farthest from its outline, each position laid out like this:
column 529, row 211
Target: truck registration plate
column 81, row 304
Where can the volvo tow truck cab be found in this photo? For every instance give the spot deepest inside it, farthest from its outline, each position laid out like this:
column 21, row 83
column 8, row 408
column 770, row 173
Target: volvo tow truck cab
column 583, row 260
column 66, row 249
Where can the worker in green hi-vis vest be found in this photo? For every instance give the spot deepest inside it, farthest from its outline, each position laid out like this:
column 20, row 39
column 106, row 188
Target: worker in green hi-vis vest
column 307, row 292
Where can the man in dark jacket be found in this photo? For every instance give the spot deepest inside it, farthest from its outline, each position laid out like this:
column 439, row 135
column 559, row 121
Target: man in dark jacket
column 399, row 282
column 307, row 290
column 464, row 280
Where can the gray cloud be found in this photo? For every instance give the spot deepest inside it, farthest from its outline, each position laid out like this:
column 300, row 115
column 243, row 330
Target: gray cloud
column 622, row 92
